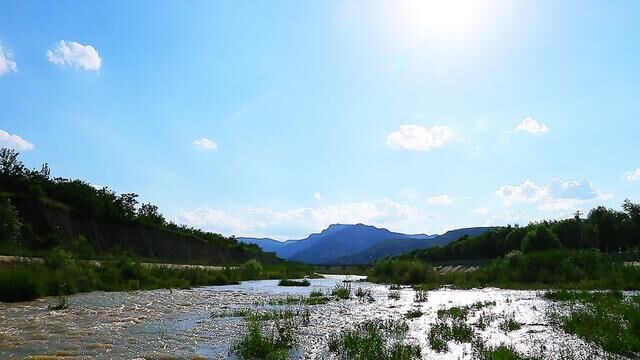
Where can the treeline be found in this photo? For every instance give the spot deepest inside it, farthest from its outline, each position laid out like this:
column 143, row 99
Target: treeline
column 605, row 229
column 85, row 201
column 557, row 268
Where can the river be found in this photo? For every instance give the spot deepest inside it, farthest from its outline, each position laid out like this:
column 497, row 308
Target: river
column 177, row 324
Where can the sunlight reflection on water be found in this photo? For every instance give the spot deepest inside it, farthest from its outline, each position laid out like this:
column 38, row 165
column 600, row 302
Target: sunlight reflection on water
column 161, row 323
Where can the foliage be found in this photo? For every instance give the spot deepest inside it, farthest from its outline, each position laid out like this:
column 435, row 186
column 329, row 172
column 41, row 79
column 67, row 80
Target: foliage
column 300, row 283
column 268, row 345
column 539, row 239
column 61, row 274
column 405, row 272
column 88, row 202
column 251, row 270
column 375, row 339
column 608, row 319
column 342, row 291
column 9, row 222
column 413, row 314
column 606, row 229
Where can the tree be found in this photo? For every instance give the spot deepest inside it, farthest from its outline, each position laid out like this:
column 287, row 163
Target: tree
column 127, row 203
column 9, row 223
column 148, row 213
column 540, row 239
column 9, row 163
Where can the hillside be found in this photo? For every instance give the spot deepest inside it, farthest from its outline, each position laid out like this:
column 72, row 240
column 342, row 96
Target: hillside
column 79, row 217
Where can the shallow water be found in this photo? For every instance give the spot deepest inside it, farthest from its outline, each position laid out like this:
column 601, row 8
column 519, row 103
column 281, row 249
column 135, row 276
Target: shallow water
column 163, row 323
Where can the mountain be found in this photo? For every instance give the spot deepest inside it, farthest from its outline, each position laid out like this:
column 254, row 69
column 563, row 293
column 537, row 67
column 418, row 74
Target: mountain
column 341, row 244
column 335, row 242
column 394, row 246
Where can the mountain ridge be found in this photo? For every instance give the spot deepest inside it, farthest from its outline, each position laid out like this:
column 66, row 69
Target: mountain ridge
column 354, row 244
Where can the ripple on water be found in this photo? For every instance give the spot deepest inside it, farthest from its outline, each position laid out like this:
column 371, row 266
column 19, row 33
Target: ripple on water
column 161, row 323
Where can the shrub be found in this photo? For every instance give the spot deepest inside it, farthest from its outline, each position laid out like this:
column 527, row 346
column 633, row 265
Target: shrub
column 342, row 291
column 9, row 222
column 287, row 282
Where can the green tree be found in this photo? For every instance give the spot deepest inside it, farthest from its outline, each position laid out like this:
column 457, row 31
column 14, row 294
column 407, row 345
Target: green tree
column 9, row 222
column 540, row 238
column 148, row 213
column 127, row 204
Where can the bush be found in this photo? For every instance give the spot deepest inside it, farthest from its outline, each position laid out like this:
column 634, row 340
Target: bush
column 21, row 284
column 405, row 272
column 9, row 223
column 251, row 270
column 287, row 282
column 540, row 239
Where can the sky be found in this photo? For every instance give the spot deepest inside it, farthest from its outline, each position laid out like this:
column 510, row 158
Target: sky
column 279, row 118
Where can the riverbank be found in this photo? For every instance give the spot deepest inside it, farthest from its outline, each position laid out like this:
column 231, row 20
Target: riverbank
column 60, row 274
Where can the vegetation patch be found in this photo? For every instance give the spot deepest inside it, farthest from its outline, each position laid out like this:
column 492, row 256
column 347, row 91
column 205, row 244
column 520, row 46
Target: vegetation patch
column 262, row 342
column 421, row 296
column 509, row 323
column 413, row 314
column 607, row 319
column 375, row 339
column 342, row 291
column 287, row 282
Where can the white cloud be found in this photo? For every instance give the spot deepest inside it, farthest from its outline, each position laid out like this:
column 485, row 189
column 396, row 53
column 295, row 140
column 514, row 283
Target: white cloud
column 440, row 200
column 481, row 210
column 14, row 141
column 507, row 217
column 300, row 222
column 632, row 175
column 7, row 64
column 317, row 196
column 532, row 126
column 415, row 137
column 555, row 195
column 205, row 144
column 76, row 55
column 213, row 220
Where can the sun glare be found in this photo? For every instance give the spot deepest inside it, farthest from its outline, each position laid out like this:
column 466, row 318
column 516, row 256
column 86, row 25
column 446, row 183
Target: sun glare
column 439, row 22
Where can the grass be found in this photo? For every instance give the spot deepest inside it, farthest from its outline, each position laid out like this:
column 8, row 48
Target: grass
column 260, row 344
column 608, row 319
column 301, row 283
column 394, row 295
column 375, row 339
column 342, row 291
column 451, row 326
column 413, row 314
column 509, row 323
column 364, row 294
column 502, row 352
column 421, row 296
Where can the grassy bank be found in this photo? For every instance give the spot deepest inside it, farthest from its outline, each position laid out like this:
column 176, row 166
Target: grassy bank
column 61, row 274
column 608, row 319
column 567, row 269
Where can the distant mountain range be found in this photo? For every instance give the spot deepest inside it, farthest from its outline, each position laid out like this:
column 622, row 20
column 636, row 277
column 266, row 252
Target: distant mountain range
column 341, row 244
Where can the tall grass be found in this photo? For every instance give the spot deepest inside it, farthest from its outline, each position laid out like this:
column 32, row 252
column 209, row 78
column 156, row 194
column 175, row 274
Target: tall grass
column 375, row 339
column 608, row 319
column 60, row 274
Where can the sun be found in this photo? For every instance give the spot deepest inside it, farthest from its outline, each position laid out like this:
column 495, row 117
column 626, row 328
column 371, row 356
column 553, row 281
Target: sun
column 439, row 22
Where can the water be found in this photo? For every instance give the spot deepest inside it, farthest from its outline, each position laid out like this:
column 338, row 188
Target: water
column 163, row 323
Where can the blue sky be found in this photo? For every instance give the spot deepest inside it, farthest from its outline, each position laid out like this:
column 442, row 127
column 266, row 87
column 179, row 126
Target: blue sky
column 280, row 118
